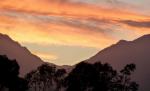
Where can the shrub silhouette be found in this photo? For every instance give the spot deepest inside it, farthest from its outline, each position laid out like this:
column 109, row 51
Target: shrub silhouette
column 9, row 71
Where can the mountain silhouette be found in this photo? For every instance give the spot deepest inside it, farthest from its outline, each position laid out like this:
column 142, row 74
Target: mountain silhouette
column 24, row 57
column 118, row 55
column 124, row 52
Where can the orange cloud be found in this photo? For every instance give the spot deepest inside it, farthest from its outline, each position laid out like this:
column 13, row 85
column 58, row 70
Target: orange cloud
column 61, row 23
column 68, row 8
column 48, row 33
column 28, row 16
column 64, row 22
column 45, row 56
column 138, row 26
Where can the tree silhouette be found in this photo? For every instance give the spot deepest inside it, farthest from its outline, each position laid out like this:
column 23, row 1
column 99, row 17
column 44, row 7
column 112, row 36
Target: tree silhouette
column 32, row 79
column 100, row 77
column 126, row 83
column 42, row 78
column 9, row 71
column 105, row 77
column 45, row 77
column 46, row 73
column 81, row 77
column 84, row 77
column 59, row 78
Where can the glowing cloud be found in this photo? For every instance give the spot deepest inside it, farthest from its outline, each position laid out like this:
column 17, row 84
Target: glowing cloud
column 46, row 56
column 68, row 23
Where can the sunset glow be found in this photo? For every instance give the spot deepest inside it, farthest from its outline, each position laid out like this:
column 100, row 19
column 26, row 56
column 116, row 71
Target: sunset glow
column 74, row 24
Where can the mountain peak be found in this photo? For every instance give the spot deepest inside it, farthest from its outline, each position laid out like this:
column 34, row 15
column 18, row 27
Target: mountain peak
column 144, row 38
column 122, row 42
column 26, row 60
column 125, row 52
column 4, row 36
column 147, row 35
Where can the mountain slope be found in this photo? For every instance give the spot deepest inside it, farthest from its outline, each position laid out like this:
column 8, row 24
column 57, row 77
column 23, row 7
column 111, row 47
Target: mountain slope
column 125, row 52
column 24, row 57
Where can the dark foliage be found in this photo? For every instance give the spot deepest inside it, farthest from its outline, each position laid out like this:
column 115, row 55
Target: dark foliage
column 84, row 77
column 9, row 71
column 45, row 77
column 100, row 77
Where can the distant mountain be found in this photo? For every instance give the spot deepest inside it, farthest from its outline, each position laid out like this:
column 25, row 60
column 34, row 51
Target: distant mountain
column 125, row 52
column 24, row 57
column 26, row 60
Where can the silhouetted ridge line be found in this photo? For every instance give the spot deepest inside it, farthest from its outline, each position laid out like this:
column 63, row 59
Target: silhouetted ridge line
column 123, row 52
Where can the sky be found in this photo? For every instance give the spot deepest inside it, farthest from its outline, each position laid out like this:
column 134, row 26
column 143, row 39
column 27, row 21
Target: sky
column 66, row 32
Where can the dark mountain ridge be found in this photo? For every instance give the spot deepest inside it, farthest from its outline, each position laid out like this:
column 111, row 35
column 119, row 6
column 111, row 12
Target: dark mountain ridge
column 118, row 55
column 26, row 60
column 125, row 52
column 24, row 57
